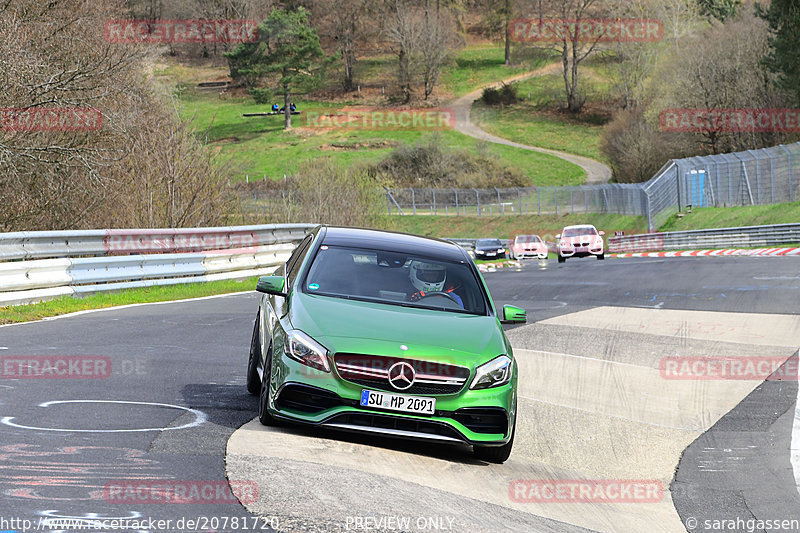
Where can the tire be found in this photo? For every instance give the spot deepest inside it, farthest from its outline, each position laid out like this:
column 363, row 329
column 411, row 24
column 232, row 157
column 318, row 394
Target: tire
column 601, row 257
column 253, row 381
column 264, row 417
column 495, row 454
column 561, row 258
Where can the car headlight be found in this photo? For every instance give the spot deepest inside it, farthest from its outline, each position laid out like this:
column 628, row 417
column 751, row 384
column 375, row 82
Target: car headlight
column 563, row 244
column 493, row 374
column 501, row 251
column 306, row 350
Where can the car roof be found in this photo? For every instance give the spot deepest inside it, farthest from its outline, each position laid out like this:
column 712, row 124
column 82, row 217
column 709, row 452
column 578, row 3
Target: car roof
column 581, row 226
column 392, row 241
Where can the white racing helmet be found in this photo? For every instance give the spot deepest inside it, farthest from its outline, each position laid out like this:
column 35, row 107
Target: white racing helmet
column 427, row 277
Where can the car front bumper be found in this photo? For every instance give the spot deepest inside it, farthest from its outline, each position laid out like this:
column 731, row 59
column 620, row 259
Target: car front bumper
column 482, row 417
column 579, row 252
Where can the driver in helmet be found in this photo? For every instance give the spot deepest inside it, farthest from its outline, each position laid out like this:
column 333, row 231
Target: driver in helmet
column 429, row 279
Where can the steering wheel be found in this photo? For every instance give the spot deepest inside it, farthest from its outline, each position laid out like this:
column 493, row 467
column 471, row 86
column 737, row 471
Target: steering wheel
column 441, row 294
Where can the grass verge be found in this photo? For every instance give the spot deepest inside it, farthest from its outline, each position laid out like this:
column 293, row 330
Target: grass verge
column 728, row 217
column 505, row 227
column 71, row 304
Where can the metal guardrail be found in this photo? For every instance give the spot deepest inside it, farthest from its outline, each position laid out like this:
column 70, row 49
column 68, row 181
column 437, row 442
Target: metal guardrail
column 744, row 237
column 41, row 244
column 84, row 262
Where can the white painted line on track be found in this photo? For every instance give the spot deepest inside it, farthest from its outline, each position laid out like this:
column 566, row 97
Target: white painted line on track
column 200, row 417
column 795, row 445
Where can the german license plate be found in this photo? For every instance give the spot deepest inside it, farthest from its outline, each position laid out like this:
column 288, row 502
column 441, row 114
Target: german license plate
column 398, row 402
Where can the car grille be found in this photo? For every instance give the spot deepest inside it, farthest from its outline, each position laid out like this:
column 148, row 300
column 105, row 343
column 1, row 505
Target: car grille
column 372, row 371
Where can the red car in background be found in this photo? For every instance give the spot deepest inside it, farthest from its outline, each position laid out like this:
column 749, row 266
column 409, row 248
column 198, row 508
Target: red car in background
column 528, row 246
column 580, row 241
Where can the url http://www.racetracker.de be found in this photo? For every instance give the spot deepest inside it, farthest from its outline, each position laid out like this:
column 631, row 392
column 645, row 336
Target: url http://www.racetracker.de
column 140, row 523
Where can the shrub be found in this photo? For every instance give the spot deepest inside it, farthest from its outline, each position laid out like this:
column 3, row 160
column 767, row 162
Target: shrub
column 430, row 164
column 505, row 95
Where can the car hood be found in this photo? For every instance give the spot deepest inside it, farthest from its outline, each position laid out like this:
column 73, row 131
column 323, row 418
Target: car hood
column 379, row 329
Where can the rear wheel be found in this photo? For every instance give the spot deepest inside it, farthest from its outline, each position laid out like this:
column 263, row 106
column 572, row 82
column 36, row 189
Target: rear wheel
column 253, row 381
column 496, row 454
column 264, row 417
column 561, row 258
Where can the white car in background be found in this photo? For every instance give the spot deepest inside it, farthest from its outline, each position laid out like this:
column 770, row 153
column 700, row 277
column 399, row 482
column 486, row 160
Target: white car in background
column 528, row 246
column 580, row 241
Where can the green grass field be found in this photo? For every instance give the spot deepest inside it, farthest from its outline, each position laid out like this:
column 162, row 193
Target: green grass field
column 70, row 304
column 505, row 227
column 475, row 66
column 258, row 147
column 537, row 121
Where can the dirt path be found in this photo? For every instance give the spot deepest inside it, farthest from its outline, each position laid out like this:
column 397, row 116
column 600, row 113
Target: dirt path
column 596, row 172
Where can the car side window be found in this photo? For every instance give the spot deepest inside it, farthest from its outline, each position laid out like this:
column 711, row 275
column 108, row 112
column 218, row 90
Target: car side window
column 296, row 259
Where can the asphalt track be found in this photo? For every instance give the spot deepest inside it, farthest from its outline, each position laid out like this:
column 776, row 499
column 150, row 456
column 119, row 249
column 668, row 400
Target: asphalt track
column 594, row 406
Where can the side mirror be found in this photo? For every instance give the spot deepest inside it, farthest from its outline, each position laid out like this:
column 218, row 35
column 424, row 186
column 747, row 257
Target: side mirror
column 602, row 233
column 514, row 315
column 271, row 285
column 558, row 236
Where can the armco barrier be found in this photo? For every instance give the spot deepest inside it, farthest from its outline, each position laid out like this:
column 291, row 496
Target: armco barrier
column 256, row 250
column 42, row 244
column 744, row 237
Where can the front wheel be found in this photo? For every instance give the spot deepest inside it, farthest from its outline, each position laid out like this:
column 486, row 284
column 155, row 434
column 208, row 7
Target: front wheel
column 601, row 257
column 496, row 454
column 264, row 417
column 561, row 258
column 253, row 382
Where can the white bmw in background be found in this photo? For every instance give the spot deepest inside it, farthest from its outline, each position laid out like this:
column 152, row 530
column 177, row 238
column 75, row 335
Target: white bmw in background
column 580, row 241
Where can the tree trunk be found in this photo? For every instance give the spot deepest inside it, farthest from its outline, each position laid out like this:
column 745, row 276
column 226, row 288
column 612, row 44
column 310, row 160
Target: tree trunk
column 508, row 32
column 349, row 56
column 287, row 112
column 405, row 84
column 575, row 104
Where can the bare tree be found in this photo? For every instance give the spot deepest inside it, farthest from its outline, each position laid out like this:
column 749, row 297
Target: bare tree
column 572, row 45
column 721, row 69
column 54, row 57
column 403, row 28
column 348, row 25
column 435, row 45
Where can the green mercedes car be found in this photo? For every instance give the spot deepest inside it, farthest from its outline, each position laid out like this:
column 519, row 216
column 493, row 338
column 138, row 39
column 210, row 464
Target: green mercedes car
column 388, row 334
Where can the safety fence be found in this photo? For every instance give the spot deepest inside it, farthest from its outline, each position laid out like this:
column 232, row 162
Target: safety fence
column 744, row 237
column 38, row 266
column 752, row 177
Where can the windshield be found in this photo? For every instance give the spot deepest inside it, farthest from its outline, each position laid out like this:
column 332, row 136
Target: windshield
column 526, row 239
column 578, row 232
column 487, row 243
column 396, row 279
